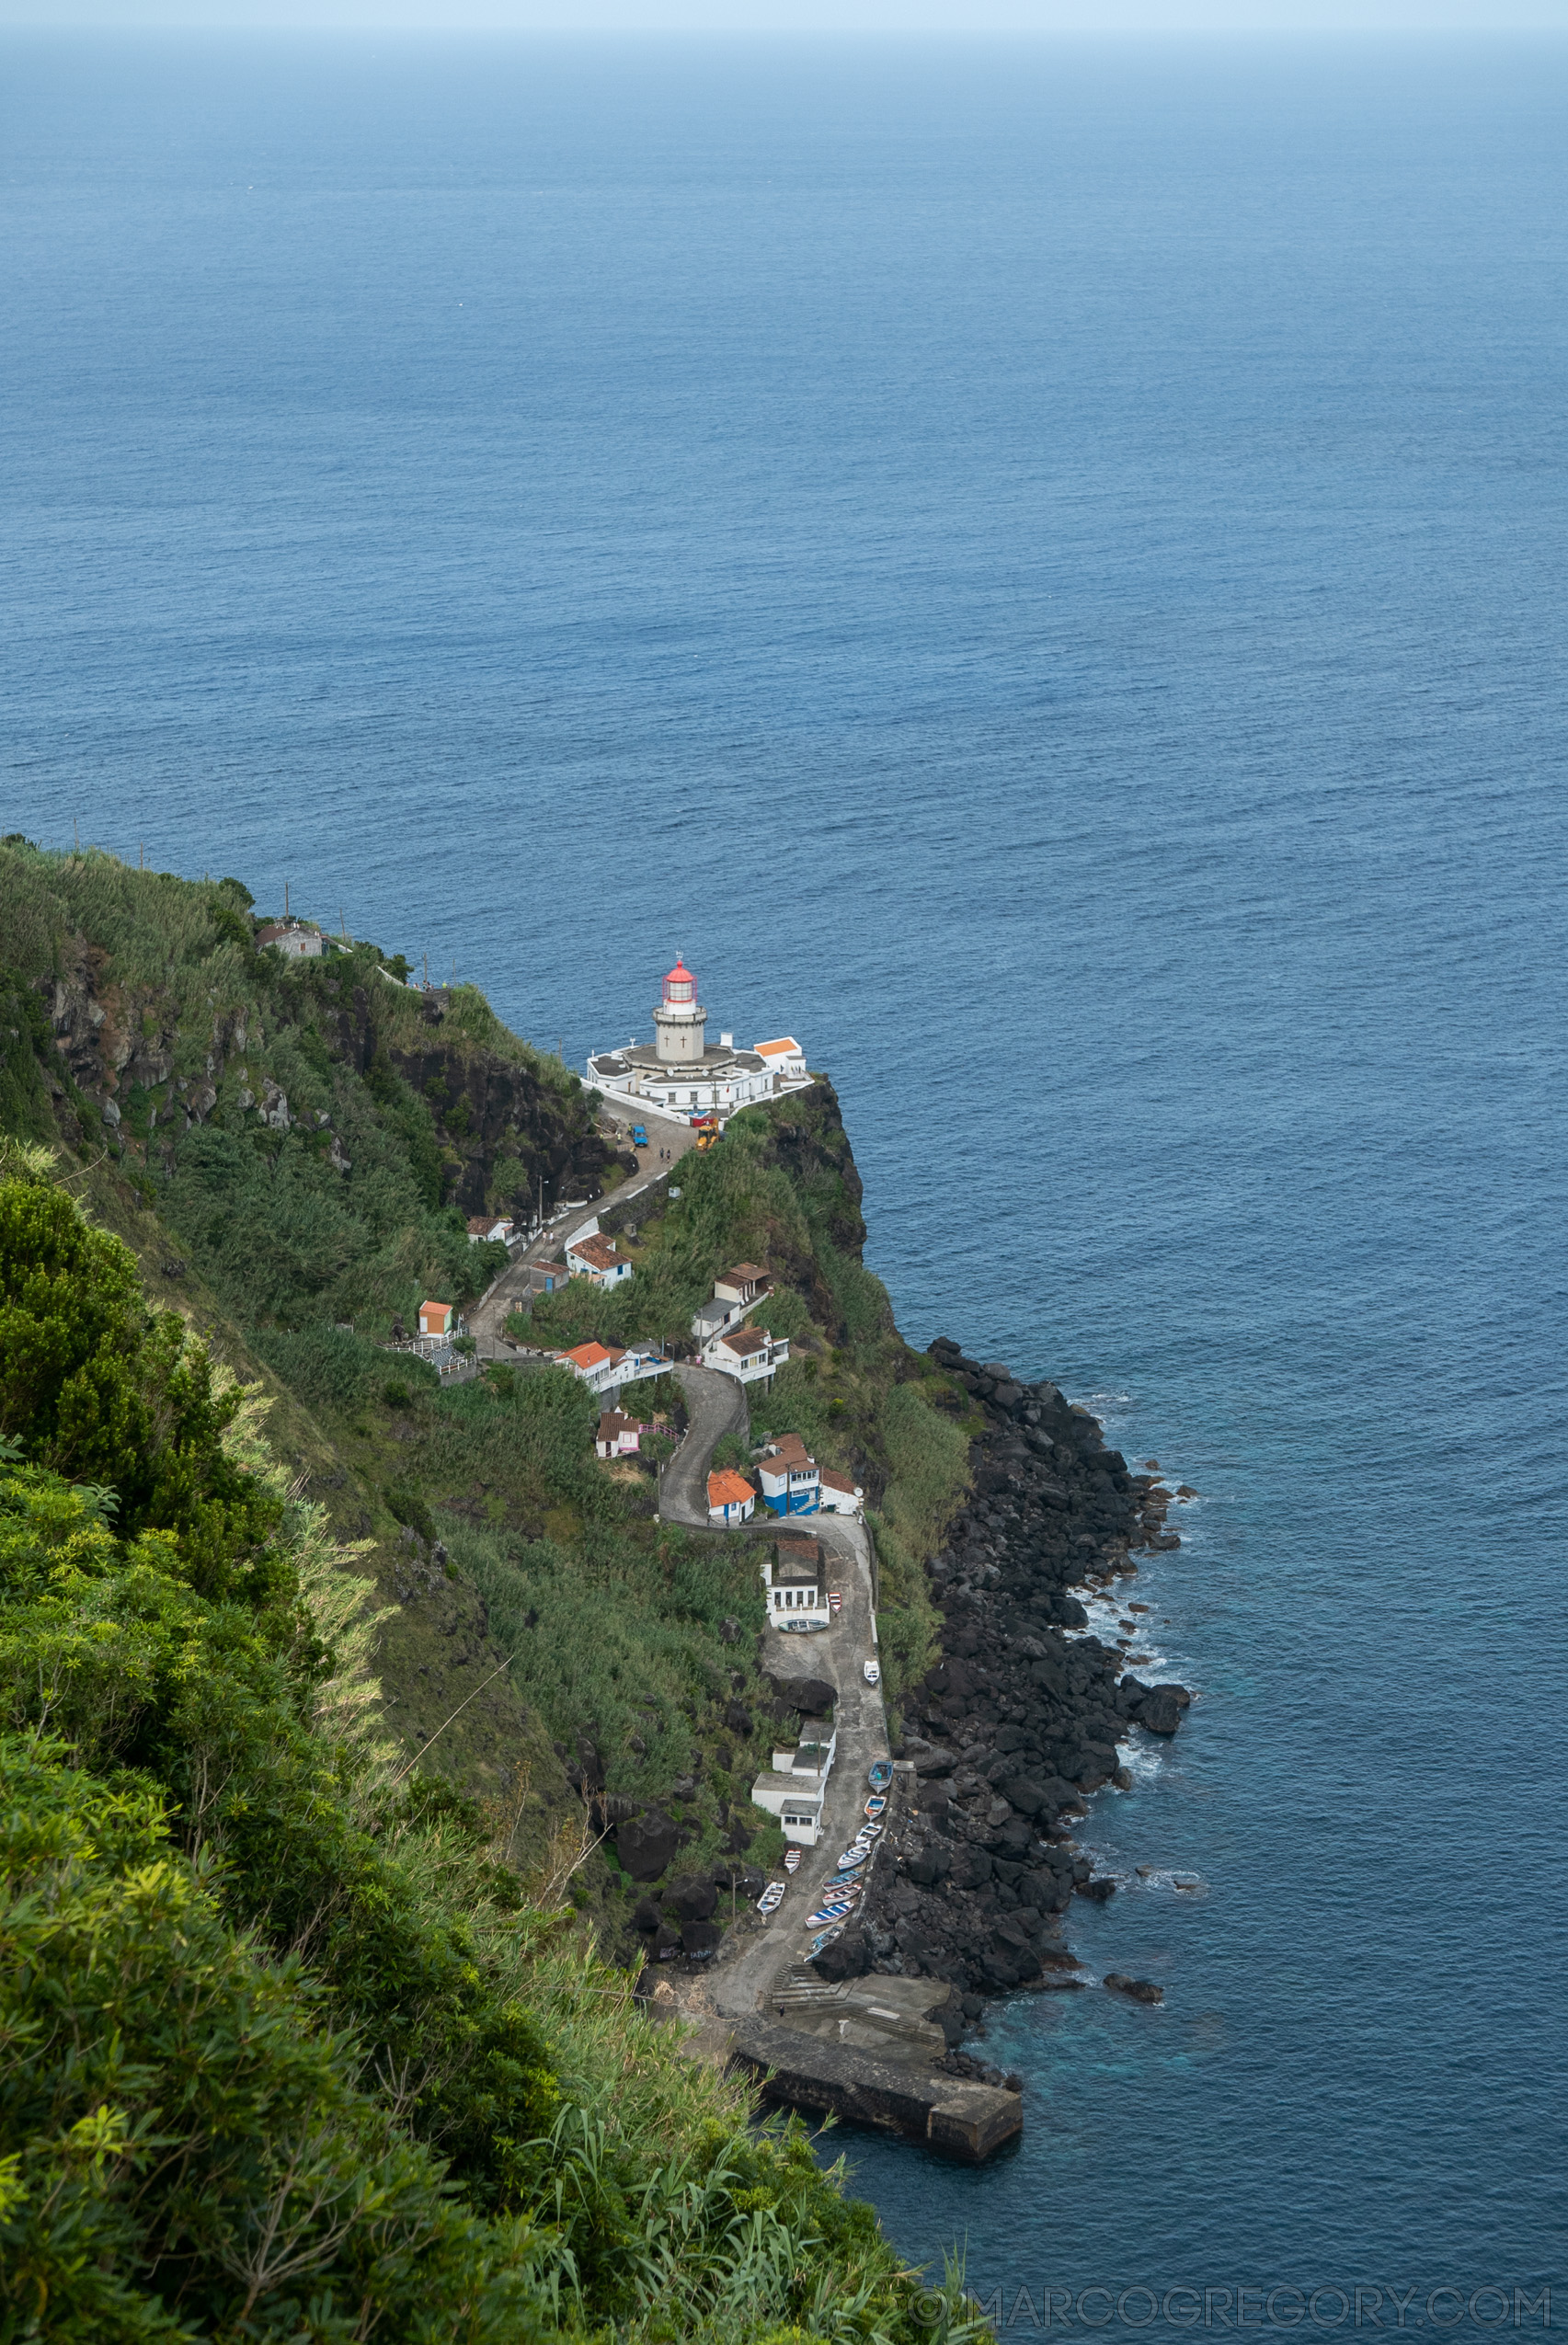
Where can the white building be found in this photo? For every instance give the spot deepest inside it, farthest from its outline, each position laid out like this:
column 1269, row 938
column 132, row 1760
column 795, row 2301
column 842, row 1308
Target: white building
column 299, row 940
column 792, row 1585
column 840, row 1495
column 749, row 1354
column 737, row 1292
column 795, row 1786
column 791, row 1482
column 618, row 1436
column 731, row 1499
column 680, row 1073
column 604, row 1369
column 493, row 1227
column 596, row 1258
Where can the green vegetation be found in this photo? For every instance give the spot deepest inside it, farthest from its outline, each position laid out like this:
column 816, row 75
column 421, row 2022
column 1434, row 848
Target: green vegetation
column 314, row 1670
column 290, row 2051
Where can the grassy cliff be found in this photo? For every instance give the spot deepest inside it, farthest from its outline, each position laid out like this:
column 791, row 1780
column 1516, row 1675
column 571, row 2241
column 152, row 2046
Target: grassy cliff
column 320, row 1681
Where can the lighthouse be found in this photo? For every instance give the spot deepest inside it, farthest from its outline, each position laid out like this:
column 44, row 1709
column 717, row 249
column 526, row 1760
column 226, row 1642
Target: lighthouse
column 679, row 1022
column 681, row 1074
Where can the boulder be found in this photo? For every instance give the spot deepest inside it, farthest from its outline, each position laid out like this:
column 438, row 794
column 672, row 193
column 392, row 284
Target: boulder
column 810, row 1696
column 1022, row 1792
column 931, row 1760
column 700, row 1939
column 1140, row 1990
column 848, row 1958
column 647, row 1844
column 1096, row 1892
column 1159, row 1710
column 737, row 1719
column 693, row 1901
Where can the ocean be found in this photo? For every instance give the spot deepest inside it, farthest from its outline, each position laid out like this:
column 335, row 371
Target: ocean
column 1042, row 573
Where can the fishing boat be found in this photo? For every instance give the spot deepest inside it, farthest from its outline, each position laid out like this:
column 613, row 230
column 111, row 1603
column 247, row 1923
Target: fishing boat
column 874, row 1805
column 826, row 1939
column 827, row 1914
column 881, row 1775
column 792, row 1860
column 772, row 1897
column 853, row 1860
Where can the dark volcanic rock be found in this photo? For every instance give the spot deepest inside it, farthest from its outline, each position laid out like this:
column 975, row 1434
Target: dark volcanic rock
column 647, row 1844
column 1140, row 1990
column 810, row 1696
column 1021, row 1717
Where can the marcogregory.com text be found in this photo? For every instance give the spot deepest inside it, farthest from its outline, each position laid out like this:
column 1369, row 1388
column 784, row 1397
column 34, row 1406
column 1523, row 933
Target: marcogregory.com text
column 1235, row 2307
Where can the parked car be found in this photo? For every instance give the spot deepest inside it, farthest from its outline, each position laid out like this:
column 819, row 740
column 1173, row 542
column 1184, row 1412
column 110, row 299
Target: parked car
column 872, row 1674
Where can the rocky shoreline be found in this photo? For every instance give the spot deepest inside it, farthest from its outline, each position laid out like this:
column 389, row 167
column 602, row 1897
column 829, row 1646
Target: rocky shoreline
column 1021, row 1718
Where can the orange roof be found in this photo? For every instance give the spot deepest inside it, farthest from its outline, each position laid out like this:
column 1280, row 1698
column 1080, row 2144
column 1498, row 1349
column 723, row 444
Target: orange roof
column 729, row 1488
column 435, row 1310
column 591, row 1355
column 596, row 1249
column 785, row 1046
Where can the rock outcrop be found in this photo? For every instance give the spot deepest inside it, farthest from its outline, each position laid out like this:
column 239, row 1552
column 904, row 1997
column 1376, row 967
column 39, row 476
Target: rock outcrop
column 1023, row 1714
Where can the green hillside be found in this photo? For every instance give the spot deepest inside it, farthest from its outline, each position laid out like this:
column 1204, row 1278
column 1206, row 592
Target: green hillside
column 460, row 1647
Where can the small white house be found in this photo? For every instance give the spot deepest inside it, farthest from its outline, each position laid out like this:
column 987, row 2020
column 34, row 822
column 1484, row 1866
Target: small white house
column 795, row 1786
column 749, row 1354
column 792, row 1585
column 618, row 1436
column 743, row 1285
column 491, row 1228
column 603, row 1367
column 299, row 940
column 711, row 1318
column 598, row 1259
column 731, row 1499
column 784, row 1057
column 840, row 1495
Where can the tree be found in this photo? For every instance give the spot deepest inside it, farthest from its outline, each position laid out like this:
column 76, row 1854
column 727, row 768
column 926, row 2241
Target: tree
column 94, row 1386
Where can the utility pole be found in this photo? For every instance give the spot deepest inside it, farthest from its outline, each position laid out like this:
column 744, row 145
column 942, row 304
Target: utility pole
column 427, row 973
column 285, row 899
column 141, row 854
column 75, row 833
column 342, row 925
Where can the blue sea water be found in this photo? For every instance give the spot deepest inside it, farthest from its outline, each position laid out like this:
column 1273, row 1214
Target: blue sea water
column 1043, row 573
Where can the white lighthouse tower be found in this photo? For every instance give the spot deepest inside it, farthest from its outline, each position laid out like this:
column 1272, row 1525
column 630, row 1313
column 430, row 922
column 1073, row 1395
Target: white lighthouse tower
column 680, row 1023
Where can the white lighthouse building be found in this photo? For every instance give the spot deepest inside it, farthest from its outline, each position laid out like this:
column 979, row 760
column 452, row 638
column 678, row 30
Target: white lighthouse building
column 680, row 1074
column 680, row 1023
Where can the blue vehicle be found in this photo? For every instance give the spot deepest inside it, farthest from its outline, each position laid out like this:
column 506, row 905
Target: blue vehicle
column 639, row 1136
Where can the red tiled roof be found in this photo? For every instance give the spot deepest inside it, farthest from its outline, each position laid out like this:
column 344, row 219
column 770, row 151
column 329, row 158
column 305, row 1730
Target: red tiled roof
column 591, row 1355
column 729, row 1488
column 839, row 1481
column 596, row 1249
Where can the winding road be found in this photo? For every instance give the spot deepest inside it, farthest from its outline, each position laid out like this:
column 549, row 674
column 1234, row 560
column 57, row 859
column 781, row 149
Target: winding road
column 750, row 1961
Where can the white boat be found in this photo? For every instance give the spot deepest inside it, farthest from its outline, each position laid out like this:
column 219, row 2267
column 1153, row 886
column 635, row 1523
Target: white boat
column 826, row 1939
column 792, row 1860
column 872, row 1674
column 772, row 1897
column 873, row 1807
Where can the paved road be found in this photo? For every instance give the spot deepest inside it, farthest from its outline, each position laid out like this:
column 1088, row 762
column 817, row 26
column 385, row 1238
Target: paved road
column 716, row 1406
column 751, row 1960
column 487, row 1318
